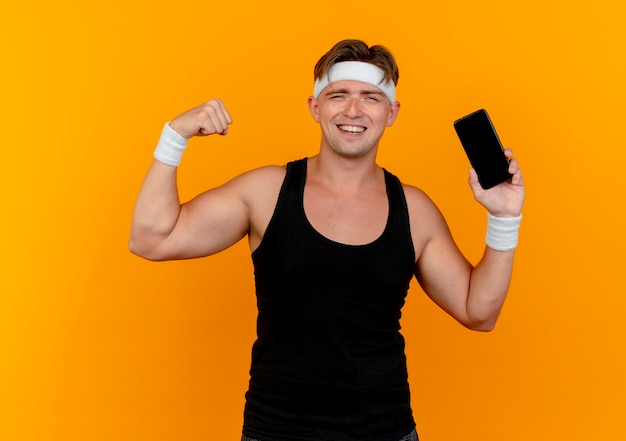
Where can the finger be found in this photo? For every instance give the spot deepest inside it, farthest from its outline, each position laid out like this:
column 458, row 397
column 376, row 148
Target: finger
column 211, row 119
column 508, row 153
column 513, row 166
column 473, row 179
column 224, row 111
column 219, row 115
column 225, row 118
column 220, row 111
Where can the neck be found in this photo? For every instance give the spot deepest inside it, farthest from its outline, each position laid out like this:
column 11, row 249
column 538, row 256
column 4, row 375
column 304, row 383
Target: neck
column 347, row 174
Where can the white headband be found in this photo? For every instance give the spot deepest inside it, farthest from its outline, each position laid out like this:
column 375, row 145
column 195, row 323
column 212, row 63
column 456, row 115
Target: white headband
column 356, row 71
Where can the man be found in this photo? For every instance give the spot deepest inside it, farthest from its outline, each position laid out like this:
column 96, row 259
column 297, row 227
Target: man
column 335, row 241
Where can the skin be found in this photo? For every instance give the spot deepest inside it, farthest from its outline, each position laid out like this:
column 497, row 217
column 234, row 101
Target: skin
column 344, row 199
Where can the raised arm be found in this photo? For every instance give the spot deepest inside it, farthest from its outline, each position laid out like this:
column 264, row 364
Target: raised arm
column 164, row 229
column 474, row 295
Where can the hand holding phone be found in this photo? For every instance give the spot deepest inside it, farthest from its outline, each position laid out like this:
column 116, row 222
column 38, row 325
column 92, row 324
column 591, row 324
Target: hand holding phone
column 483, row 148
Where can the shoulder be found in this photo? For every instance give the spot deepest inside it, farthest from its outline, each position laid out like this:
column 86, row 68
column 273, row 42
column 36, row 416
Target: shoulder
column 417, row 200
column 425, row 218
column 259, row 189
column 251, row 188
column 263, row 174
column 259, row 178
column 259, row 186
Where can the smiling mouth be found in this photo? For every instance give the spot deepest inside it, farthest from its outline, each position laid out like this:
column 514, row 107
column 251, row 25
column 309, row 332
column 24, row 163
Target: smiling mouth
column 351, row 129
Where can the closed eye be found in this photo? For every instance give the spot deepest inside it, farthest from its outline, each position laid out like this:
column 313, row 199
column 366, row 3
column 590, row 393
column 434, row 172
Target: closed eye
column 373, row 98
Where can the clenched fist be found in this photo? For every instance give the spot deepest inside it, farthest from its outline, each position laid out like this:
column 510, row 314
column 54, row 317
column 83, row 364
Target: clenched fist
column 207, row 119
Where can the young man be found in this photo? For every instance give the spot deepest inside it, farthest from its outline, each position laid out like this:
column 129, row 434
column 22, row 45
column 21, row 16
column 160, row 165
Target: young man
column 335, row 241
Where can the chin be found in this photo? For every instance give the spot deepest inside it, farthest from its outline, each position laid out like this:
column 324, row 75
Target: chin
column 351, row 151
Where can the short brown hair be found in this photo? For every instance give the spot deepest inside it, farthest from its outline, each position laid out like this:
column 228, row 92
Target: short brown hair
column 357, row 50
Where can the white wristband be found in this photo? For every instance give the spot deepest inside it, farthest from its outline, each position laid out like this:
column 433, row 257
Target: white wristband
column 170, row 147
column 502, row 232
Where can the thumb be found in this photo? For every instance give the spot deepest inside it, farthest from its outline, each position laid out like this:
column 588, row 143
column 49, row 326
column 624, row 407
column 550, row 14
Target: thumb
column 473, row 178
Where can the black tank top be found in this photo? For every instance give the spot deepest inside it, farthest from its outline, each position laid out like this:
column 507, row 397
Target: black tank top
column 329, row 362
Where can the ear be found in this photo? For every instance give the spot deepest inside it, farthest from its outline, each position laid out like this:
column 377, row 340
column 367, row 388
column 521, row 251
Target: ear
column 314, row 109
column 393, row 113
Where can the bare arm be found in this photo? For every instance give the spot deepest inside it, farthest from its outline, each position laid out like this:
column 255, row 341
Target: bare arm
column 162, row 228
column 473, row 295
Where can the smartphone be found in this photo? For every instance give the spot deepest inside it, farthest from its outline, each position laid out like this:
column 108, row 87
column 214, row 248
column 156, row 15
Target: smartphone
column 483, row 148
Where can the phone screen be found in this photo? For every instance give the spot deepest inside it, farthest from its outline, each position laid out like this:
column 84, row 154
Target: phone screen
column 483, row 148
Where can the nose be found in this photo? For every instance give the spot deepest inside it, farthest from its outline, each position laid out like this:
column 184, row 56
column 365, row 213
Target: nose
column 353, row 108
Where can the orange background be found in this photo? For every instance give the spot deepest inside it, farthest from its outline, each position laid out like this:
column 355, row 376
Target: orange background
column 98, row 344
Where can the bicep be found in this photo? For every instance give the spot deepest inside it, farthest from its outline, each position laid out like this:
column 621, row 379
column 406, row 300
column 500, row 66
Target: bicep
column 441, row 269
column 207, row 224
column 444, row 274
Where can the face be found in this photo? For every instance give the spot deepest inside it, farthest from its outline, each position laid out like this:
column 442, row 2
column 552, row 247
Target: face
column 353, row 116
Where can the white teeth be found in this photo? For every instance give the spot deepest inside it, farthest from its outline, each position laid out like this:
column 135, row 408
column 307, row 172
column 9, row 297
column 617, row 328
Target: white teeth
column 352, row 129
